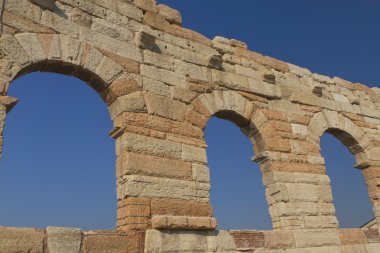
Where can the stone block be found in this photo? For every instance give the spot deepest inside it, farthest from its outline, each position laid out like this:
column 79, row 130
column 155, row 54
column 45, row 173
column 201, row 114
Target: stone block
column 316, row 238
column 220, row 241
column 21, row 240
column 110, row 29
column 201, row 173
column 115, row 242
column 63, row 240
column 147, row 5
column 148, row 145
column 31, row 45
column 108, row 70
column 16, row 52
column 194, row 154
column 133, row 164
column 165, row 107
column 133, row 102
column 170, row 14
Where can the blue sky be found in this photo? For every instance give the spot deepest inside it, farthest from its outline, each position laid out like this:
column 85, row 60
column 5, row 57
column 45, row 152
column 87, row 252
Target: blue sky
column 58, row 165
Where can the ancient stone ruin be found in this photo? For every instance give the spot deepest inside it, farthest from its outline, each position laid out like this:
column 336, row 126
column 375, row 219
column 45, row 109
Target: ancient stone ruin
column 161, row 83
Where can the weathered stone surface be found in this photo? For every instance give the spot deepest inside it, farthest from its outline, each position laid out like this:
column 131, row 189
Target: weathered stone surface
column 170, row 14
column 62, row 240
column 132, row 164
column 21, row 240
column 165, row 107
column 115, row 242
column 162, row 83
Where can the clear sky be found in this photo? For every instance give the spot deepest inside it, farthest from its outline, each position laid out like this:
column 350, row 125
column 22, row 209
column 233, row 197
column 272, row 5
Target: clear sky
column 58, row 165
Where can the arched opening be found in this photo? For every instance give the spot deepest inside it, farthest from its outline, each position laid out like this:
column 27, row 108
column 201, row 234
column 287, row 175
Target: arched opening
column 237, row 192
column 58, row 163
column 350, row 194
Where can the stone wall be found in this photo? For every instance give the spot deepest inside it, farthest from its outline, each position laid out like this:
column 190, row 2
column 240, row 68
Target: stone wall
column 162, row 83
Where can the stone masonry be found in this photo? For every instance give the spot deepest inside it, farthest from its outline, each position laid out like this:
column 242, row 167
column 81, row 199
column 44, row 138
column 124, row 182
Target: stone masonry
column 162, row 83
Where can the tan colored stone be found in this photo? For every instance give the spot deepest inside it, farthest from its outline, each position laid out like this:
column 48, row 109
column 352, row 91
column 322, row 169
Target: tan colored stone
column 22, row 240
column 116, row 242
column 170, row 14
column 165, row 107
column 132, row 164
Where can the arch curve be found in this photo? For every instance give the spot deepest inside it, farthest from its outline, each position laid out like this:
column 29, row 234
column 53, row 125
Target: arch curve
column 62, row 54
column 352, row 136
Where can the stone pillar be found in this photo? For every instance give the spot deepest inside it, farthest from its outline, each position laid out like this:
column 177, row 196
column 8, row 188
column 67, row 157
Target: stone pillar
column 372, row 178
column 298, row 197
column 162, row 184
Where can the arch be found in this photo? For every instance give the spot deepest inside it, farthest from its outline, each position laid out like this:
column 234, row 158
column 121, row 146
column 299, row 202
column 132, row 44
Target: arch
column 110, row 75
column 352, row 136
column 30, row 52
column 234, row 107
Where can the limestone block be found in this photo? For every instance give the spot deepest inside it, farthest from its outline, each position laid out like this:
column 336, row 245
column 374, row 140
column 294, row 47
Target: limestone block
column 192, row 70
column 316, row 238
column 220, row 241
column 63, row 240
column 201, row 173
column 299, row 129
column 373, row 247
column 71, row 49
column 24, row 9
column 51, row 45
column 46, row 4
column 323, row 79
column 304, row 98
column 170, row 14
column 143, row 144
column 133, row 102
column 148, row 5
column 91, row 58
column 121, row 48
column 165, row 107
column 145, row 186
column 194, row 154
column 14, row 50
column 156, row 87
column 115, row 242
column 59, row 24
column 264, row 89
column 107, row 28
column 31, row 45
column 319, row 222
column 279, row 239
column 177, row 241
column 133, row 164
column 108, row 70
column 81, row 18
column 340, row 98
column 163, row 75
column 158, row 60
column 303, row 192
column 21, row 240
column 249, row 72
column 182, row 94
column 360, row 248
column 230, row 80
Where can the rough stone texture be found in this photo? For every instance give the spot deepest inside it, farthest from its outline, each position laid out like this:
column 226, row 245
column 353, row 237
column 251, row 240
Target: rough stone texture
column 162, row 83
column 62, row 240
column 21, row 240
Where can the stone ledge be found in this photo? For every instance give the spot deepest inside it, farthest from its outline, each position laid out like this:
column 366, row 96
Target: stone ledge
column 183, row 222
